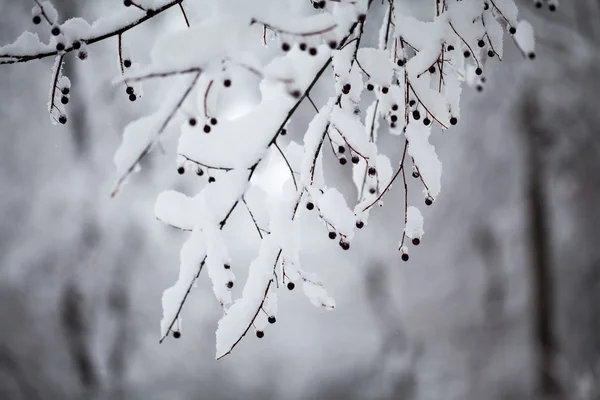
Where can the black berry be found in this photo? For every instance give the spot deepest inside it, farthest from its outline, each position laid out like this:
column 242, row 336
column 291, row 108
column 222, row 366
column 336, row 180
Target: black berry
column 370, row 87
column 467, row 54
column 478, row 71
column 82, row 55
column 312, row 51
column 132, row 97
column 211, row 179
column 416, row 115
column 206, row 128
column 355, row 159
column 180, row 170
column 37, row 19
column 450, row 48
column 332, row 44
column 416, row 241
column 341, row 149
column 229, row 284
column 395, row 107
column 480, row 43
column 428, row 201
column 285, row 46
column 346, row 88
column 426, row 121
column 310, row 205
column 531, row 56
column 303, row 46
column 200, row 172
column 65, row 90
column 62, row 119
column 343, row 160
column 453, row 121
column 412, row 103
column 192, row 121
column 360, row 224
column 291, row 285
column 332, row 235
column 372, row 171
column 127, row 63
column 55, row 31
column 415, row 174
column 362, row 18
column 127, row 3
column 227, row 82
column 491, row 53
column 283, row 132
column 393, row 118
column 512, row 30
column 176, row 334
column 227, row 266
column 64, row 100
column 372, row 190
column 344, row 245
column 552, row 7
column 129, row 90
column 400, row 63
column 432, row 69
column 260, row 334
column 384, row 90
column 404, row 257
column 322, row 4
column 213, row 121
column 60, row 46
column 272, row 319
column 77, row 45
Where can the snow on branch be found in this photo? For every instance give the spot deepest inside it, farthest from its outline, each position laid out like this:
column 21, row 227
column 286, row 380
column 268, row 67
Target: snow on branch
column 414, row 78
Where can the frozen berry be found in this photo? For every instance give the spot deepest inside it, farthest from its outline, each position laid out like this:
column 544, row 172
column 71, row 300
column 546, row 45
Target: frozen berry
column 62, row 119
column 416, row 115
column 213, row 121
column 132, row 97
column 426, row 121
column 310, row 205
column 432, row 69
column 229, row 284
column 206, row 128
column 176, row 334
column 129, row 90
column 341, row 149
column 285, row 46
column 127, row 63
column 480, row 43
column 227, row 82
column 478, row 71
column 384, row 90
column 346, row 88
column 272, row 319
column 291, row 285
column 227, row 266
column 370, row 87
column 180, row 170
column 416, row 174
column 260, row 334
column 428, row 201
column 355, row 159
column 450, row 48
column 400, row 63
column 65, row 90
column 453, row 121
column 64, row 100
column 512, row 30
column 77, row 45
column 302, row 46
column 344, row 245
column 404, row 257
column 55, row 31
column 372, row 171
column 127, row 3
column 360, row 224
column 82, row 55
column 211, row 179
column 332, row 235
column 416, row 241
column 312, row 51
column 343, row 160
column 60, row 46
column 192, row 121
column 37, row 19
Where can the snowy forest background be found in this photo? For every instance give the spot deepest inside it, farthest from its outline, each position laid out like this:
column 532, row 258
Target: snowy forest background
column 81, row 274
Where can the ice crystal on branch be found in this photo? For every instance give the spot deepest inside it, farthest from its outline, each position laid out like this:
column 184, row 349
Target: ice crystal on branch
column 413, row 78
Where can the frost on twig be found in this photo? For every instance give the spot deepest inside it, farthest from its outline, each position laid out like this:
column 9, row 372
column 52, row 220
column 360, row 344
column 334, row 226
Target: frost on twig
column 413, row 80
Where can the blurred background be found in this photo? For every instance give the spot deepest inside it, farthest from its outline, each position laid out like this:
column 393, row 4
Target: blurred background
column 500, row 301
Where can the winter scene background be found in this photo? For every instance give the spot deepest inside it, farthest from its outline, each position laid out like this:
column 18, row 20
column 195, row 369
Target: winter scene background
column 500, row 300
